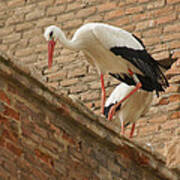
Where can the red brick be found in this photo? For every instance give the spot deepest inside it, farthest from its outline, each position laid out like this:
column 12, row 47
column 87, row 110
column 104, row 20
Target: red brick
column 145, row 25
column 131, row 1
column 175, row 79
column 16, row 150
column 15, row 19
column 159, row 119
column 161, row 55
column 165, row 19
column 10, row 135
column 160, row 47
column 86, row 12
column 28, row 34
column 44, row 157
column 73, row 6
column 151, row 129
column 24, row 52
column 6, row 31
column 3, row 120
column 68, row 138
column 152, row 32
column 68, row 82
column 4, row 97
column 15, row 3
column 106, row 6
column 174, row 44
column 13, row 37
column 73, row 24
column 24, row 26
column 45, row 22
column 46, row 3
column 78, row 72
column 171, row 124
column 89, row 96
column 57, row 76
column 173, row 88
column 37, row 13
column 114, row 14
column 65, row 17
column 163, row 101
column 174, row 98
column 39, row 174
column 175, row 115
column 141, row 16
column 151, row 41
column 176, row 54
column 130, row 28
column 94, row 18
column 172, row 28
column 40, row 48
column 122, row 21
column 172, row 1
column 11, row 113
column 2, row 142
column 55, row 10
column 52, row 146
column 134, row 10
column 53, row 85
column 40, row 131
column 156, row 4
column 78, row 89
column 4, row 174
column 11, row 166
column 96, row 85
column 143, row 1
column 172, row 72
column 162, row 11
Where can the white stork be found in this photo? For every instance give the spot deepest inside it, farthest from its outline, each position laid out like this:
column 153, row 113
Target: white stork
column 114, row 51
column 132, row 108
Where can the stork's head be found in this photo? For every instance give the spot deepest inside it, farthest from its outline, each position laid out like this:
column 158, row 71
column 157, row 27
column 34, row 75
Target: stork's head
column 51, row 34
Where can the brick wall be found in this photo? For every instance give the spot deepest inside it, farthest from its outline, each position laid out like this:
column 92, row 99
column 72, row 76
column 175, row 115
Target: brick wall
column 46, row 137
column 156, row 22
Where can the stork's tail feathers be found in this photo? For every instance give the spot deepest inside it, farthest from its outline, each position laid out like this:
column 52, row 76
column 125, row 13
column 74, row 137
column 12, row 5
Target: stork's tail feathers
column 107, row 109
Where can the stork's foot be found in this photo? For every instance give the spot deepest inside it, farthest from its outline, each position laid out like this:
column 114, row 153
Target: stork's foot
column 111, row 112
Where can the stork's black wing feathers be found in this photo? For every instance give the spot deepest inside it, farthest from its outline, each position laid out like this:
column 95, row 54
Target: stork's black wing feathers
column 146, row 81
column 139, row 40
column 146, row 64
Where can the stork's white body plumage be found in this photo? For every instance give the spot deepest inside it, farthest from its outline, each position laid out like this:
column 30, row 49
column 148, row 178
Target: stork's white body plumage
column 115, row 51
column 132, row 108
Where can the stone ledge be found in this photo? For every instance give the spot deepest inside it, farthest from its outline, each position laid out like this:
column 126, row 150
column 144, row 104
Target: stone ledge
column 86, row 120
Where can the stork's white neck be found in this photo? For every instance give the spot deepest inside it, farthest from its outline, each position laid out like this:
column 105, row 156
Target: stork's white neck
column 70, row 44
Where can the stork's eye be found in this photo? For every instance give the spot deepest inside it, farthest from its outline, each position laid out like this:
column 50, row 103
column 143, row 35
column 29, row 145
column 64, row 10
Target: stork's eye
column 51, row 34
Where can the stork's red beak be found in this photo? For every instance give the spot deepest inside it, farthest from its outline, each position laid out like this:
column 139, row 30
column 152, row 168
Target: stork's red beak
column 51, row 45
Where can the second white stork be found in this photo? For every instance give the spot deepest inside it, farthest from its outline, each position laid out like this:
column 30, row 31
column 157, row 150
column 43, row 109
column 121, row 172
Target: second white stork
column 114, row 51
column 131, row 109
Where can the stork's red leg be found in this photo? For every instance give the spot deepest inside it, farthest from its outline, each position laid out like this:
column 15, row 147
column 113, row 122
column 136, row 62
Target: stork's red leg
column 138, row 85
column 122, row 128
column 132, row 130
column 103, row 94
